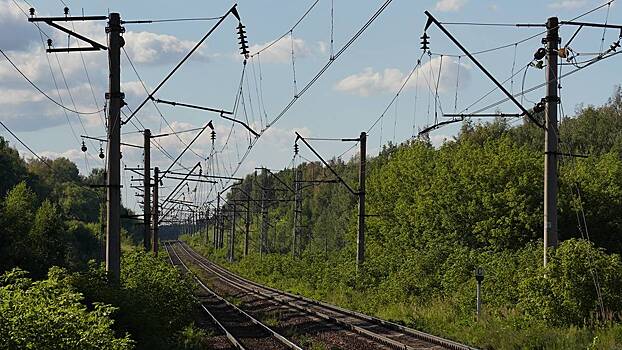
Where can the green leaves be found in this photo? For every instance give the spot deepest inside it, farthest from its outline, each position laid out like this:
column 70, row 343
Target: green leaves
column 48, row 314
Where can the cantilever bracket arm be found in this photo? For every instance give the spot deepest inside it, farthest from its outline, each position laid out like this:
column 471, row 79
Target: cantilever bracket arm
column 222, row 113
column 438, row 125
column 298, row 137
column 95, row 46
column 432, row 20
column 277, row 178
column 232, row 11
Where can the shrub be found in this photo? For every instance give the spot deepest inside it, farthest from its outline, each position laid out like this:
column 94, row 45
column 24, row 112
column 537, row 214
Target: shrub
column 48, row 314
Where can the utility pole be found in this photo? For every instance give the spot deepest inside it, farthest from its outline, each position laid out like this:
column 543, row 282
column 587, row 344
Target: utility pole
column 247, row 223
column 232, row 235
column 217, row 224
column 264, row 215
column 550, row 139
column 146, row 185
column 297, row 207
column 156, row 210
column 360, row 239
column 113, row 234
column 207, row 226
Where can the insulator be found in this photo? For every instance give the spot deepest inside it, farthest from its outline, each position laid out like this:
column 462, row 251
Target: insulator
column 243, row 41
column 83, row 148
column 49, row 42
column 296, row 148
column 32, row 11
column 539, row 54
column 101, row 153
column 425, row 42
column 539, row 107
column 213, row 135
column 66, row 10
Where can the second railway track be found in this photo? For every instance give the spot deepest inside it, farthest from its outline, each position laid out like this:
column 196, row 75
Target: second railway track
column 241, row 329
column 385, row 334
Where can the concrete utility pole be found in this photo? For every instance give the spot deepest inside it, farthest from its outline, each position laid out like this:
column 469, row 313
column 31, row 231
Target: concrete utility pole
column 232, row 235
column 550, row 139
column 360, row 239
column 156, row 210
column 217, row 226
column 207, row 226
column 264, row 215
column 297, row 208
column 247, row 223
column 113, row 227
column 146, row 185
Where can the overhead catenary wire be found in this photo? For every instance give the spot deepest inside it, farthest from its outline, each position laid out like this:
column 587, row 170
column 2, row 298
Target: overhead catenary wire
column 287, row 32
column 43, row 92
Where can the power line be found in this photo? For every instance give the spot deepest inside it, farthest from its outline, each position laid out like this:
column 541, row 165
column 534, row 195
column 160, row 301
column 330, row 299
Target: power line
column 287, row 32
column 42, row 92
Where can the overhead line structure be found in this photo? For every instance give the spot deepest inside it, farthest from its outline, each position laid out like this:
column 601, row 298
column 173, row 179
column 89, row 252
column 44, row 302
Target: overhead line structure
column 549, row 105
column 233, row 10
column 313, row 81
column 360, row 239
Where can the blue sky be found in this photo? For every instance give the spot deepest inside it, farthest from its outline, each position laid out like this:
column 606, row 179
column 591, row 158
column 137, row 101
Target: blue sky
column 345, row 100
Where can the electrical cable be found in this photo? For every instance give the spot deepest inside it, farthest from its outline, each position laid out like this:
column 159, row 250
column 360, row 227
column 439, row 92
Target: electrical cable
column 287, row 32
column 42, row 92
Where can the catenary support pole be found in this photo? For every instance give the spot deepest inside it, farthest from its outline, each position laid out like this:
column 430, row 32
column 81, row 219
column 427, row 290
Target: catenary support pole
column 147, row 191
column 295, row 235
column 264, row 215
column 247, row 223
column 156, row 210
column 217, row 226
column 232, row 235
column 207, row 226
column 360, row 240
column 113, row 227
column 551, row 140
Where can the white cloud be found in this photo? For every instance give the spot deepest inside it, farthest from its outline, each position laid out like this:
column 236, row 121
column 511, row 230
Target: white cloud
column 567, row 4
column 281, row 51
column 370, row 82
column 152, row 48
column 12, row 17
column 450, row 5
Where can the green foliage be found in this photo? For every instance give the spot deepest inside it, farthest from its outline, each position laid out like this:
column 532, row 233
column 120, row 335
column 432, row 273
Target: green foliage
column 155, row 302
column 48, row 314
column 437, row 213
column 571, row 289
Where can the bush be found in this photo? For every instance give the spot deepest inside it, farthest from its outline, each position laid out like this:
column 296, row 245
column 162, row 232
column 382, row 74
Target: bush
column 155, row 302
column 565, row 291
column 48, row 314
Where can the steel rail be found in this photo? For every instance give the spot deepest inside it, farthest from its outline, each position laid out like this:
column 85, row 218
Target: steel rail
column 228, row 334
column 376, row 321
column 274, row 333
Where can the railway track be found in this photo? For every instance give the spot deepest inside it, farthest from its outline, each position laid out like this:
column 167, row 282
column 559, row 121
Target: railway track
column 241, row 329
column 383, row 332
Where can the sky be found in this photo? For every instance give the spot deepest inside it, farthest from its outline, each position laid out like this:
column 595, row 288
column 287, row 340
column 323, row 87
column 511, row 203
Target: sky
column 358, row 88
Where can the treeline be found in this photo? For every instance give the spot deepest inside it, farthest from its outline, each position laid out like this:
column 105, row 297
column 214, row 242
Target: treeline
column 53, row 292
column 436, row 213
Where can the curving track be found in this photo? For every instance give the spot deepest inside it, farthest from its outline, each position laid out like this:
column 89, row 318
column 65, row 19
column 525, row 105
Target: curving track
column 386, row 334
column 241, row 329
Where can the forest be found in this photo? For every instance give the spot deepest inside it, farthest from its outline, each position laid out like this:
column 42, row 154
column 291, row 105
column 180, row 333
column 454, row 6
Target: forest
column 437, row 213
column 54, row 291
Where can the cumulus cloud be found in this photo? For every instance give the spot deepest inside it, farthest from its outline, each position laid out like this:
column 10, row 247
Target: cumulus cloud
column 281, row 51
column 12, row 17
column 450, row 5
column 369, row 81
column 567, row 4
column 152, row 48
